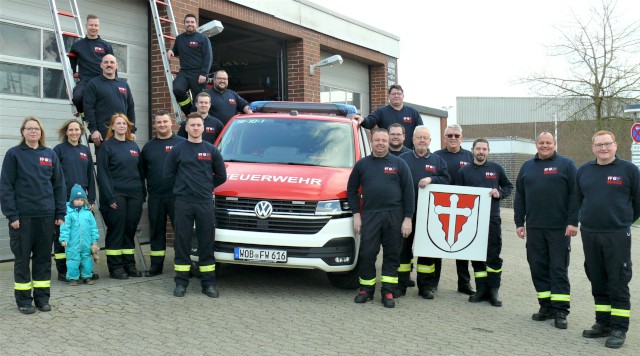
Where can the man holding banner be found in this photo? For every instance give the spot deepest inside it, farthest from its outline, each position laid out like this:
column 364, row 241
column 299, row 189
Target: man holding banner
column 482, row 173
column 426, row 168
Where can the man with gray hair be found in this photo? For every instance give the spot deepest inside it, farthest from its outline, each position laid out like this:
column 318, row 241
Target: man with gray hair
column 456, row 157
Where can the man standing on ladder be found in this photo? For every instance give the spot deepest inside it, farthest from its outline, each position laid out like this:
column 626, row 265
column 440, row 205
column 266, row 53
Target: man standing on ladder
column 85, row 57
column 194, row 50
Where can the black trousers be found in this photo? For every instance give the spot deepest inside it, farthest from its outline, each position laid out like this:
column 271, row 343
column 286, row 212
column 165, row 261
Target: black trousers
column 32, row 243
column 380, row 228
column 122, row 224
column 158, row 210
column 462, row 269
column 59, row 254
column 488, row 274
column 184, row 81
column 548, row 252
column 78, row 92
column 607, row 262
column 204, row 217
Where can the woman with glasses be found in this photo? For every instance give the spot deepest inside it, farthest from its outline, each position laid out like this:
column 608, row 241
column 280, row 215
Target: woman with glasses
column 122, row 192
column 32, row 196
column 77, row 167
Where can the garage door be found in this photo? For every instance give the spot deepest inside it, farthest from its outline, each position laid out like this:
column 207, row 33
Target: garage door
column 346, row 83
column 31, row 79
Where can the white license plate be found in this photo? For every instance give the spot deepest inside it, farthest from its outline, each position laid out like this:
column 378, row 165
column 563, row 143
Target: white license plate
column 259, row 255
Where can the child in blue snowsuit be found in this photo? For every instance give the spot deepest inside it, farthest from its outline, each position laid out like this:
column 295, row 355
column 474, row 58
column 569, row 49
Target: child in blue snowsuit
column 79, row 235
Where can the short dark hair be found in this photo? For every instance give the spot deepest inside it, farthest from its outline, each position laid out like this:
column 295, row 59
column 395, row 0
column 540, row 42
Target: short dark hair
column 190, row 15
column 395, row 124
column 92, row 17
column 480, row 140
column 203, row 93
column 158, row 113
column 395, row 86
column 193, row 115
column 375, row 131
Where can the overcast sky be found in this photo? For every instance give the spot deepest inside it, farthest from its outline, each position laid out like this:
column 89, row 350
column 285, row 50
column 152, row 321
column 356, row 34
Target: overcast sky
column 470, row 48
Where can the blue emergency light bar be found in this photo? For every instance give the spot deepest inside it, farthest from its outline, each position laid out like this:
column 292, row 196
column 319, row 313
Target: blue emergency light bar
column 315, row 108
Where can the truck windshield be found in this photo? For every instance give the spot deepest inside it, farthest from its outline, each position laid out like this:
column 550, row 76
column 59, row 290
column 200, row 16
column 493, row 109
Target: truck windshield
column 289, row 141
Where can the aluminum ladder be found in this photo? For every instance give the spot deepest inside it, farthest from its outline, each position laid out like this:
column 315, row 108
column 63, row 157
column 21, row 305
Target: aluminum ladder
column 161, row 37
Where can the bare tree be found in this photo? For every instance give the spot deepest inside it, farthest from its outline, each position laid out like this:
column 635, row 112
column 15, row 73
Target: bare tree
column 603, row 56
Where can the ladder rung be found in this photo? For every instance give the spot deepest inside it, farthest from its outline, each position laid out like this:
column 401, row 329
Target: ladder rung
column 64, row 13
column 161, row 2
column 165, row 20
column 169, row 37
column 70, row 34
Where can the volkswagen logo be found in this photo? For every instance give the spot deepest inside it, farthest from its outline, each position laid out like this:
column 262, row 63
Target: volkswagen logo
column 263, row 209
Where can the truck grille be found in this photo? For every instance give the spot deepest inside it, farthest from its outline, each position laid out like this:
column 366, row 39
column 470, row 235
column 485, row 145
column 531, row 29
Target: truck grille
column 287, row 217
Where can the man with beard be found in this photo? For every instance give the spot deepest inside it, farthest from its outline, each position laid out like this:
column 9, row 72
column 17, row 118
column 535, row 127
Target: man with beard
column 426, row 168
column 212, row 126
column 225, row 103
column 194, row 50
column 482, row 173
column 396, row 140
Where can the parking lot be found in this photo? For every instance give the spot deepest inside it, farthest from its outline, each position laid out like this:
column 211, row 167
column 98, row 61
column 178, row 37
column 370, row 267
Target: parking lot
column 270, row 311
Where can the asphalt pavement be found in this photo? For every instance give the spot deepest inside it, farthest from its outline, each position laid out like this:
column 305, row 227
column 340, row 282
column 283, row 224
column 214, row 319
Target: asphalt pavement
column 269, row 311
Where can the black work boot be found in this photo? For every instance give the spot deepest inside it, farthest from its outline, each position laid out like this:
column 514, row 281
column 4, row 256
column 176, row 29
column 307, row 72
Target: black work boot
column 153, row 271
column 132, row 271
column 363, row 296
column 494, row 297
column 543, row 314
column 427, row 293
column 616, row 339
column 561, row 320
column 597, row 330
column 387, row 300
column 482, row 293
column 466, row 288
column 410, row 283
column 179, row 291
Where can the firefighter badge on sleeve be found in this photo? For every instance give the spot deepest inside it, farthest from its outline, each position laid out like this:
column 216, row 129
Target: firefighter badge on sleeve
column 452, row 222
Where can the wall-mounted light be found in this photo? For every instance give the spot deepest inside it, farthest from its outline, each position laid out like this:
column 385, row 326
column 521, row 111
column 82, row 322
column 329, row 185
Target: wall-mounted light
column 326, row 62
column 211, row 28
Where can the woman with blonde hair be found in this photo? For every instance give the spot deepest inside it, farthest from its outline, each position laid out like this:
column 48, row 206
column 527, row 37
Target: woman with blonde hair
column 77, row 167
column 32, row 196
column 122, row 192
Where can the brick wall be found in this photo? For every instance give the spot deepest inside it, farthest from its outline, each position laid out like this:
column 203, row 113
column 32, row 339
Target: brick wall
column 511, row 162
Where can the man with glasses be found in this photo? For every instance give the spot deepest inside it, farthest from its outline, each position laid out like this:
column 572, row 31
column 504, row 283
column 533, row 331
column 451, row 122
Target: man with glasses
column 396, row 140
column 194, row 50
column 608, row 192
column 456, row 157
column 546, row 201
column 395, row 112
column 225, row 103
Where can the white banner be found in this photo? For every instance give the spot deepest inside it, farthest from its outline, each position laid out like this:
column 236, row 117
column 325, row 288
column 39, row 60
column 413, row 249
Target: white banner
column 452, row 222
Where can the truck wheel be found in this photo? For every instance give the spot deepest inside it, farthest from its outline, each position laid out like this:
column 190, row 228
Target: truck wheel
column 344, row 280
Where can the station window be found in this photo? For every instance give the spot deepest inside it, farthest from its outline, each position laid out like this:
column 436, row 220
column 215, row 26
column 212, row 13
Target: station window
column 329, row 94
column 30, row 63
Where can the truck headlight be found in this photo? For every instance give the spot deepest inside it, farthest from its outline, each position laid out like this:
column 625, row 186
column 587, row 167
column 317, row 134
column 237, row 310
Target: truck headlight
column 331, row 207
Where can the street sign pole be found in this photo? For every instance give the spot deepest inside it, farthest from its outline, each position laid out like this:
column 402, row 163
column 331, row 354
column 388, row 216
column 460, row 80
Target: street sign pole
column 635, row 133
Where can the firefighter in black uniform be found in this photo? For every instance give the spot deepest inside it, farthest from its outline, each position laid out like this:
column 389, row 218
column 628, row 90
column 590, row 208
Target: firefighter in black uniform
column 426, row 168
column 388, row 204
column 77, row 166
column 161, row 200
column 85, row 57
column 546, row 200
column 32, row 196
column 225, row 103
column 194, row 51
column 456, row 157
column 194, row 168
column 608, row 191
column 482, row 173
column 212, row 126
column 106, row 95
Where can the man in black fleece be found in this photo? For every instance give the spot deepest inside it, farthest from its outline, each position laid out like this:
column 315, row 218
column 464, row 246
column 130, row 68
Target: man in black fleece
column 482, row 173
column 388, row 204
column 608, row 191
column 546, row 201
column 194, row 168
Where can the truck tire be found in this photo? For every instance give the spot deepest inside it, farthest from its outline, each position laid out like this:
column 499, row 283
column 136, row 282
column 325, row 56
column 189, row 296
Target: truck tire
column 345, row 280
